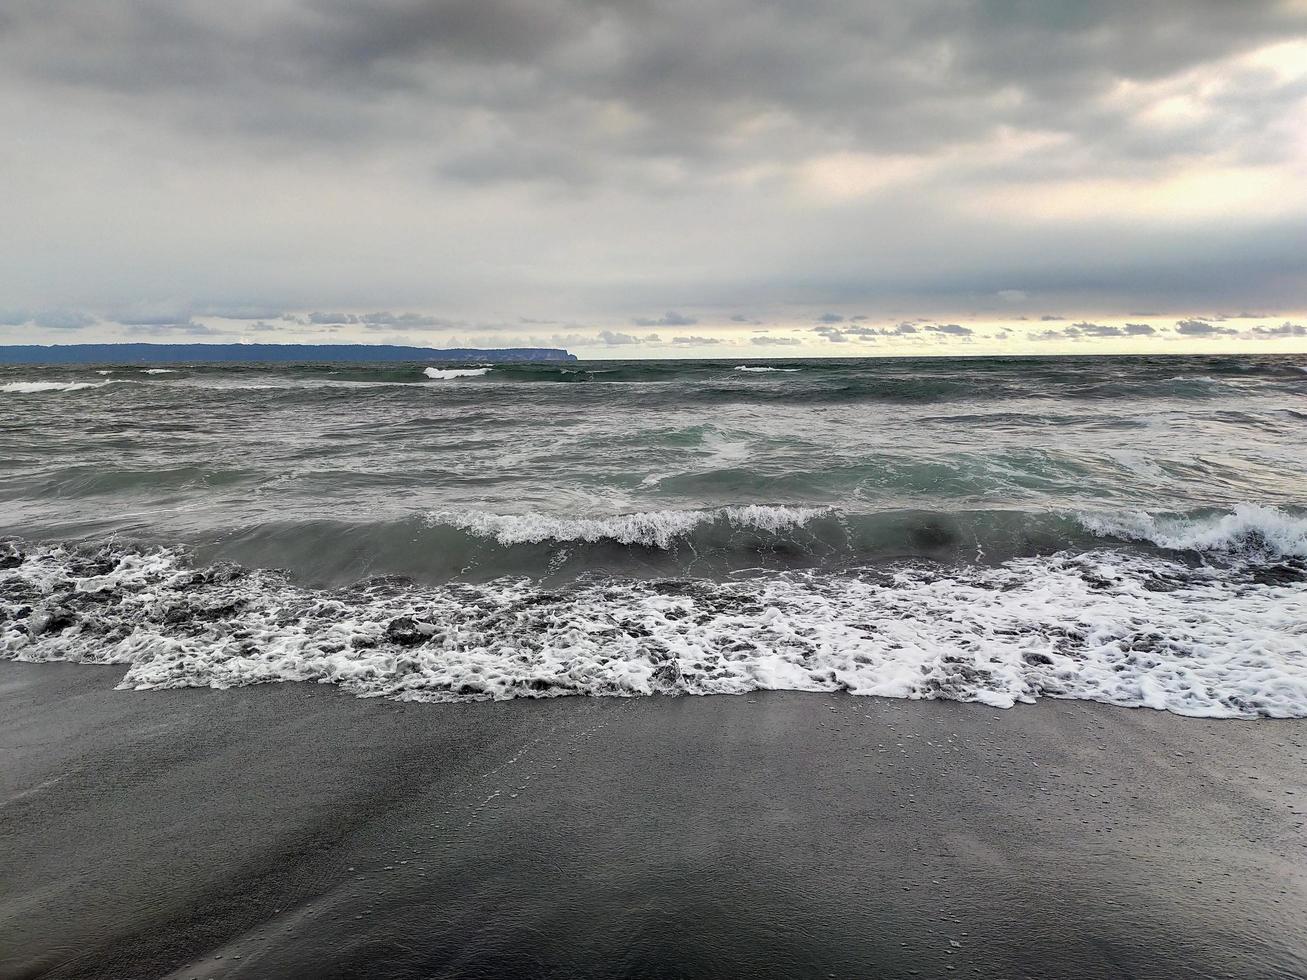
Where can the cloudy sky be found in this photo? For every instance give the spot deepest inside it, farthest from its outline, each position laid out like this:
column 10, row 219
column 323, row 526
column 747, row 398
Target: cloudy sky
column 658, row 177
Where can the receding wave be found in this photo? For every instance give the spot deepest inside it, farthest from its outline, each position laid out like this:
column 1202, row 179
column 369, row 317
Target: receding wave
column 1108, row 626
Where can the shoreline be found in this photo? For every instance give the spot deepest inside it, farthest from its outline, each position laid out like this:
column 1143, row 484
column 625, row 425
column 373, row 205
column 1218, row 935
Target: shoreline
column 292, row 829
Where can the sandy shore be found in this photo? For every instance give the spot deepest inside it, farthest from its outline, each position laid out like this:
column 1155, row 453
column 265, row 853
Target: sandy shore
column 293, row 831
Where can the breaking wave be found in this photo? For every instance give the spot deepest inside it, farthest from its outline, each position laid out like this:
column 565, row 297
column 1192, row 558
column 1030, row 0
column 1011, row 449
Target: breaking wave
column 654, row 529
column 1104, row 626
column 448, row 374
column 1249, row 529
column 32, row 387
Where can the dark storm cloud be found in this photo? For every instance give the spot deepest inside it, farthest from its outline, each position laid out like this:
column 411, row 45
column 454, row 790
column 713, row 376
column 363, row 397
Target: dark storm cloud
column 669, row 319
column 942, row 71
column 378, row 152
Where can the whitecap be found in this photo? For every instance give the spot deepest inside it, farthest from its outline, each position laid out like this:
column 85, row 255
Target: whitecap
column 655, row 529
column 447, row 374
column 749, row 367
column 1088, row 627
column 1250, row 529
column 31, row 387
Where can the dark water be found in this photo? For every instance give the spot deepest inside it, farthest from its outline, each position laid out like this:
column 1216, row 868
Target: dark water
column 1124, row 529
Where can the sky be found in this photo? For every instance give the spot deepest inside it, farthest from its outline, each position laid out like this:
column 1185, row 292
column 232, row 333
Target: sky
column 654, row 178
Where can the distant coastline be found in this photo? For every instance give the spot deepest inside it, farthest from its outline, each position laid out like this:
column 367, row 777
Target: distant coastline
column 263, row 353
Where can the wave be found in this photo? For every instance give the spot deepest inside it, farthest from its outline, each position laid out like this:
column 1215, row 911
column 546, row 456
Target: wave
column 446, row 374
column 444, row 546
column 160, row 371
column 750, row 367
column 32, row 387
column 1250, row 529
column 654, row 529
column 1112, row 627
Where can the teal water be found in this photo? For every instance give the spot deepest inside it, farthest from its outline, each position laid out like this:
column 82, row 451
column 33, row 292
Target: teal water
column 599, row 486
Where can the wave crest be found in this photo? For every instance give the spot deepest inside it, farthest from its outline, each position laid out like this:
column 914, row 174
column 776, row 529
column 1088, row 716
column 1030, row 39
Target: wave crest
column 32, row 387
column 1251, row 529
column 448, row 374
column 652, row 529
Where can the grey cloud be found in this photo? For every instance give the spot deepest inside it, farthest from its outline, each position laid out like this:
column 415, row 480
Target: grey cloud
column 696, row 340
column 669, row 319
column 377, row 321
column 156, row 319
column 765, row 341
column 63, row 320
column 1201, row 328
column 1049, row 317
column 1087, row 329
column 951, row 329
column 741, row 318
column 189, row 329
column 1285, row 329
column 47, row 319
column 830, row 318
column 1139, row 330
column 614, row 338
column 834, row 334
column 544, row 69
column 381, row 321
column 404, row 149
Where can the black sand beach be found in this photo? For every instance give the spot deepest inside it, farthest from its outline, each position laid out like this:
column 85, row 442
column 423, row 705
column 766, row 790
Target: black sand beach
column 294, row 831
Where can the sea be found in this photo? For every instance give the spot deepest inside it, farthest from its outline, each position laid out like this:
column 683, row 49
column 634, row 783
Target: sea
column 1129, row 530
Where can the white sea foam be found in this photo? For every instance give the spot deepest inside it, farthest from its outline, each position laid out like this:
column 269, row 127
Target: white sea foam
column 1250, row 528
column 32, row 387
column 447, row 374
column 656, row 529
column 748, row 367
column 160, row 371
column 1097, row 627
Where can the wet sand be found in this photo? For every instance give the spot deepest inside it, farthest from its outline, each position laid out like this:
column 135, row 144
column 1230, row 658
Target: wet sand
column 294, row 831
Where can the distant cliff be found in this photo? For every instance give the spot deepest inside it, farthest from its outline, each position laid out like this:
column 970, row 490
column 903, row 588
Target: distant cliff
column 262, row 353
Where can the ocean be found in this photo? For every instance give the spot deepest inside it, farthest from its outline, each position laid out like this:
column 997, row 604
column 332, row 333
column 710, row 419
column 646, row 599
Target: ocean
column 1129, row 530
